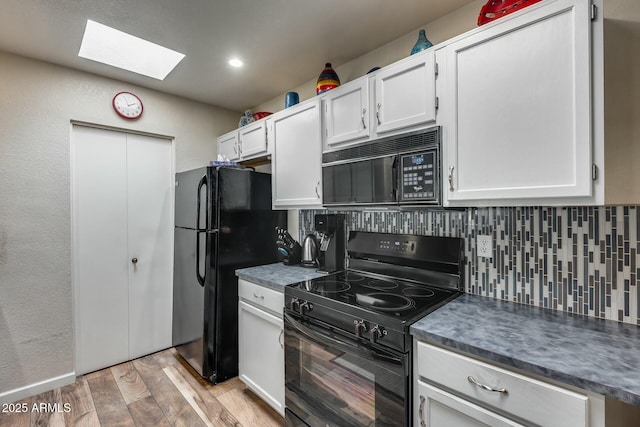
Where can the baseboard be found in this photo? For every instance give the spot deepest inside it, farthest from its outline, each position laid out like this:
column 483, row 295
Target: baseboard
column 37, row 388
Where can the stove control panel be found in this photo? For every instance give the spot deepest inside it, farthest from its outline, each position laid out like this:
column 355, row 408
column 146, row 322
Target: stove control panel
column 402, row 246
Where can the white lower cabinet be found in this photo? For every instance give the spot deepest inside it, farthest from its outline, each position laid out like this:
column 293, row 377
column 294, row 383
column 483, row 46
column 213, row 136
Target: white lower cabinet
column 261, row 342
column 455, row 390
column 437, row 408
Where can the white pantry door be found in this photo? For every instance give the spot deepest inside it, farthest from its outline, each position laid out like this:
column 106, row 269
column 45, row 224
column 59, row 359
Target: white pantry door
column 122, row 233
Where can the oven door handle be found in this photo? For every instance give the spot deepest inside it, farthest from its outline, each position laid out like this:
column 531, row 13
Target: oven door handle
column 312, row 332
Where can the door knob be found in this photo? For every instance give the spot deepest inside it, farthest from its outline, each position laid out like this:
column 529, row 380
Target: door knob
column 134, row 260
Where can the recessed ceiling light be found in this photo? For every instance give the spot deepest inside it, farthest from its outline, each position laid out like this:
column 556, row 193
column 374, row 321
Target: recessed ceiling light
column 235, row 62
column 118, row 49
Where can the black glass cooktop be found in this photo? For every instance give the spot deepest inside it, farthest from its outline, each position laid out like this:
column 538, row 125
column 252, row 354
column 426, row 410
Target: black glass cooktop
column 392, row 297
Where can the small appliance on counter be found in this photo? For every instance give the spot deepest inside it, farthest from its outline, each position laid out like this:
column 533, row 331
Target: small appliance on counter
column 289, row 248
column 310, row 251
column 332, row 233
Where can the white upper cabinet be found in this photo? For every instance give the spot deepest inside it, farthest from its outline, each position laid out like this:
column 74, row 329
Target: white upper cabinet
column 396, row 99
column 297, row 155
column 253, row 140
column 228, row 146
column 245, row 143
column 516, row 104
column 405, row 94
column 346, row 114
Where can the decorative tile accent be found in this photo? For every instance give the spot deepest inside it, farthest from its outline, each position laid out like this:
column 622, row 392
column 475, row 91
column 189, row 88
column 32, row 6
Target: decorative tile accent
column 576, row 259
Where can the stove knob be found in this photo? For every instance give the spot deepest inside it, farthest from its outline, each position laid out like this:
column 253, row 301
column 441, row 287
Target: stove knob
column 375, row 333
column 294, row 304
column 305, row 306
column 359, row 326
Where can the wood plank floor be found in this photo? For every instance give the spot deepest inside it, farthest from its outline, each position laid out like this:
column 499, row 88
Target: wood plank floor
column 158, row 390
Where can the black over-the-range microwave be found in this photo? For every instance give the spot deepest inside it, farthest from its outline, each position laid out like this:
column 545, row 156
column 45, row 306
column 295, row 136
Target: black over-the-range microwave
column 401, row 170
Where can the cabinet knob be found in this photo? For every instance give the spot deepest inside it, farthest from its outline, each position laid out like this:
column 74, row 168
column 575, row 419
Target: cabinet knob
column 134, row 260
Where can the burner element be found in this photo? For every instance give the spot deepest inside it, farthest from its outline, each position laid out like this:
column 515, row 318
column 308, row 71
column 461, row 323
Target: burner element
column 381, row 285
column 385, row 302
column 416, row 291
column 329, row 287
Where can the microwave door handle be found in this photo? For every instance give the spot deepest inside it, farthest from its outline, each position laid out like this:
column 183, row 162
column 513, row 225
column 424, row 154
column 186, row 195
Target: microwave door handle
column 394, row 177
column 316, row 334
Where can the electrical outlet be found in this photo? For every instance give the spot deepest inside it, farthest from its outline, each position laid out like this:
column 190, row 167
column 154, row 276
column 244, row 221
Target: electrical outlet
column 484, row 246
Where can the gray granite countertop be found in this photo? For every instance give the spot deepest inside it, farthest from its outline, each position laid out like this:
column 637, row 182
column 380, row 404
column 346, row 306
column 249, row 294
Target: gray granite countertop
column 597, row 355
column 278, row 275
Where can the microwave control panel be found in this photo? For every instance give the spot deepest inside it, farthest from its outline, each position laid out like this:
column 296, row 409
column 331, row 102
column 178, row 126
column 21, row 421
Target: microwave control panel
column 419, row 177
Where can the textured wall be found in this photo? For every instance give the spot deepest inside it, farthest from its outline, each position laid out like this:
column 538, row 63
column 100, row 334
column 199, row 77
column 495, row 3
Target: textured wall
column 578, row 259
column 37, row 103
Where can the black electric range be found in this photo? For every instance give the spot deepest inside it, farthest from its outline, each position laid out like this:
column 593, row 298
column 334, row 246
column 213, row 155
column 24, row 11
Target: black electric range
column 392, row 280
column 347, row 334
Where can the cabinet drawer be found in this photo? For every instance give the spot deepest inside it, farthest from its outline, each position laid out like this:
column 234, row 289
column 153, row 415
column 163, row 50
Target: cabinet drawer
column 261, row 296
column 523, row 397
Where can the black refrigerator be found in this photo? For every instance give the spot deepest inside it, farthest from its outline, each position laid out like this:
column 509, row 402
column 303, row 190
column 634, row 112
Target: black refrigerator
column 223, row 222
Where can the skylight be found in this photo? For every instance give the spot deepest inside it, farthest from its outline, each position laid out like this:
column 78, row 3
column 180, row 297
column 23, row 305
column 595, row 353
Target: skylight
column 118, row 49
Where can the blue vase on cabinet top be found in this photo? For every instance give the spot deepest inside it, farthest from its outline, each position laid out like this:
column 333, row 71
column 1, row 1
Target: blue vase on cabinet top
column 422, row 43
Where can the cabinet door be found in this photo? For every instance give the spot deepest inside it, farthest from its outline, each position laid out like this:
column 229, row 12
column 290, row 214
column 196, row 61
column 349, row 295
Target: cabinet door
column 405, row 93
column 437, row 408
column 228, row 146
column 346, row 114
column 253, row 140
column 297, row 157
column 518, row 101
column 261, row 354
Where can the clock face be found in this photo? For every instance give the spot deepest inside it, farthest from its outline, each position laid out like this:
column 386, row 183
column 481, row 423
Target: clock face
column 127, row 105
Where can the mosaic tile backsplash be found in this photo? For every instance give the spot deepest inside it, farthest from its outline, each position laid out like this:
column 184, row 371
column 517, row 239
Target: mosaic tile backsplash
column 576, row 259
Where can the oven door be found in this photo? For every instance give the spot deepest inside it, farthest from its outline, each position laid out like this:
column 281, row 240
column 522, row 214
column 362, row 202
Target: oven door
column 333, row 380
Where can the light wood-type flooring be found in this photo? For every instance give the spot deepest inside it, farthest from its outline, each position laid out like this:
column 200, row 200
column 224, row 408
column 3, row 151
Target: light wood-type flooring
column 158, row 390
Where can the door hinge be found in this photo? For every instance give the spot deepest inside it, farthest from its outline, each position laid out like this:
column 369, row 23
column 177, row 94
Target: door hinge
column 594, row 12
column 594, row 172
column 437, row 71
column 437, row 102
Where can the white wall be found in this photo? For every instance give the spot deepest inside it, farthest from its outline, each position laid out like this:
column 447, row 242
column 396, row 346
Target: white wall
column 37, row 103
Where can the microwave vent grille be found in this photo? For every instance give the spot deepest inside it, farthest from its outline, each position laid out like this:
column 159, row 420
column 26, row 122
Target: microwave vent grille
column 383, row 146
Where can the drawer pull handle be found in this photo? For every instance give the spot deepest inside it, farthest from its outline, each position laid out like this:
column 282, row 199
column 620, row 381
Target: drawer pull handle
column 421, row 412
column 486, row 387
column 260, row 297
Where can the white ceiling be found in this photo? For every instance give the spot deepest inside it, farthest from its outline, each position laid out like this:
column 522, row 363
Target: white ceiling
column 284, row 43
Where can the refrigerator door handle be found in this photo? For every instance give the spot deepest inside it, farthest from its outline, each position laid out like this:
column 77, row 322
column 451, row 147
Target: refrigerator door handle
column 202, row 183
column 200, row 277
